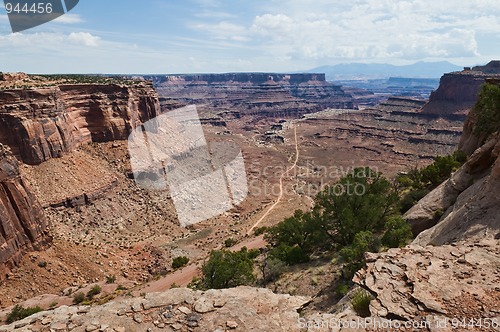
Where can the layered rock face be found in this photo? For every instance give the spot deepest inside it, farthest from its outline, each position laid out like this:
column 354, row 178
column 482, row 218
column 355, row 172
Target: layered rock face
column 39, row 124
column 23, row 226
column 266, row 94
column 458, row 91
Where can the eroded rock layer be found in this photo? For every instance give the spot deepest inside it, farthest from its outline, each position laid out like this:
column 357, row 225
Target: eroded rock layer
column 39, row 124
column 458, row 91
column 267, row 94
column 23, row 225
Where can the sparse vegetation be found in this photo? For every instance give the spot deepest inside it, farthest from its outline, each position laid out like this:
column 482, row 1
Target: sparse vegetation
column 111, row 279
column 95, row 290
column 361, row 303
column 179, row 262
column 226, row 269
column 78, row 298
column 230, row 242
column 19, row 312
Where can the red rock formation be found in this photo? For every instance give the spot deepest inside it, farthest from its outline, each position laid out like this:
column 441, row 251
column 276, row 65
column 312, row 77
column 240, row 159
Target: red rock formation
column 45, row 123
column 266, row 94
column 458, row 91
column 23, row 226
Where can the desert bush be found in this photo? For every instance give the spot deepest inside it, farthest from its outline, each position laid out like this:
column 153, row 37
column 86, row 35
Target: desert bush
column 272, row 269
column 111, row 279
column 19, row 312
column 487, row 109
column 78, row 298
column 179, row 262
column 230, row 242
column 226, row 269
column 95, row 290
column 398, row 233
column 361, row 303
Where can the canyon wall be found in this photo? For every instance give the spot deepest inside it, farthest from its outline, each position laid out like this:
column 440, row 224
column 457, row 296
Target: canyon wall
column 43, row 123
column 468, row 201
column 267, row 94
column 23, row 226
column 458, row 91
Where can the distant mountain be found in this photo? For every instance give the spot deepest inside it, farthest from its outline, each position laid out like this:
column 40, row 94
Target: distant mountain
column 354, row 71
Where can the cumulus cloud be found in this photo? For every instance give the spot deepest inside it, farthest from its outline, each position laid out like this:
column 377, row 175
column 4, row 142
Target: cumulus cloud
column 84, row 38
column 365, row 29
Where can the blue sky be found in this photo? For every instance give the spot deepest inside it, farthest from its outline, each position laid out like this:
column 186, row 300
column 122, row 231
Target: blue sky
column 152, row 36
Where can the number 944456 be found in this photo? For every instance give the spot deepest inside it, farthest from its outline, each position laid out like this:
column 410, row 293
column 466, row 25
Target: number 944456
column 36, row 8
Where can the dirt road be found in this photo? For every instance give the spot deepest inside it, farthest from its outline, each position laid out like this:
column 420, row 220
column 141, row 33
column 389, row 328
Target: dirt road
column 280, row 196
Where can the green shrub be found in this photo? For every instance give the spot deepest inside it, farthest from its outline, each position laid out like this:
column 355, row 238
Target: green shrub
column 230, row 242
column 361, row 303
column 411, row 198
column 487, row 110
column 226, row 269
column 179, row 262
column 272, row 269
column 95, row 290
column 19, row 312
column 290, row 255
column 353, row 255
column 341, row 290
column 398, row 233
column 260, row 231
column 78, row 298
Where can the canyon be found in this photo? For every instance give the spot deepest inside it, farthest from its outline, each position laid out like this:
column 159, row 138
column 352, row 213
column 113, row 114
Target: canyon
column 69, row 200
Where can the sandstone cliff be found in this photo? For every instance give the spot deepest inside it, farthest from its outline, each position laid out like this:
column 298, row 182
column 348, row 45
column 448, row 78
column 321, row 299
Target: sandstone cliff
column 23, row 226
column 267, row 94
column 44, row 123
column 469, row 200
column 458, row 91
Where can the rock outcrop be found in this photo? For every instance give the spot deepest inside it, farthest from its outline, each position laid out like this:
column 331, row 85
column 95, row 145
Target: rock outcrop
column 466, row 205
column 180, row 309
column 435, row 284
column 458, row 91
column 44, row 123
column 23, row 226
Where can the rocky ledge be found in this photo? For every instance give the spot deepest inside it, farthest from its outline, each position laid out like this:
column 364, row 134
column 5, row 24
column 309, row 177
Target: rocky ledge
column 430, row 283
column 179, row 309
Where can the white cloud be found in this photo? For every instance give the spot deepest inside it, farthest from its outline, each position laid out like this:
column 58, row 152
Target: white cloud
column 47, row 41
column 84, row 38
column 69, row 19
column 364, row 29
